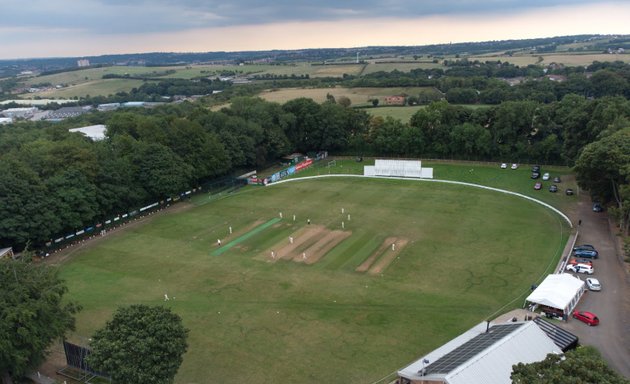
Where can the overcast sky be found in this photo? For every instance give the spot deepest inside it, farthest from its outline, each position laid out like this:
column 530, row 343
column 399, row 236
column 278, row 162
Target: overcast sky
column 45, row 28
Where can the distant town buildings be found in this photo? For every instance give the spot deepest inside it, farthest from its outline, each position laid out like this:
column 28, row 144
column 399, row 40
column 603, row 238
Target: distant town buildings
column 66, row 112
column 35, row 102
column 83, row 63
column 395, row 100
column 616, row 51
column 19, row 113
column 108, row 107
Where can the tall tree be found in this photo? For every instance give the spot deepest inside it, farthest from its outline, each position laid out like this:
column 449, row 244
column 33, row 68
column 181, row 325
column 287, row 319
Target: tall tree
column 160, row 171
column 32, row 315
column 141, row 344
column 26, row 208
column 582, row 365
column 603, row 169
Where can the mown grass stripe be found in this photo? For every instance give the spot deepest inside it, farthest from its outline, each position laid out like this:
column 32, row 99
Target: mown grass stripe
column 244, row 237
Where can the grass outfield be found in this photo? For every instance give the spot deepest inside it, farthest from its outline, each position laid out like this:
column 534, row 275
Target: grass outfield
column 488, row 174
column 470, row 252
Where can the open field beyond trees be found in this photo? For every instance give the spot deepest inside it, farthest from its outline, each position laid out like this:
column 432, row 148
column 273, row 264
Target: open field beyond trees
column 568, row 59
column 314, row 316
column 358, row 96
column 89, row 81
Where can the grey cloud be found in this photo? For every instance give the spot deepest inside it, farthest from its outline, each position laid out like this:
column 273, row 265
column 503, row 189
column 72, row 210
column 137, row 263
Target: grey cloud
column 144, row 16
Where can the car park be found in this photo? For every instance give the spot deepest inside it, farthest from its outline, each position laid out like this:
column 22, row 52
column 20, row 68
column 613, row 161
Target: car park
column 514, row 166
column 535, row 175
column 538, row 186
column 586, row 317
column 589, row 253
column 553, row 188
column 503, row 165
column 546, row 176
column 581, row 268
column 568, row 192
column 593, row 284
column 556, row 179
column 597, row 207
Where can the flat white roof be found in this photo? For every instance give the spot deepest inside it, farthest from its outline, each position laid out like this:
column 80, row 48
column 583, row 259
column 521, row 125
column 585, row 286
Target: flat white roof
column 557, row 291
column 37, row 102
column 94, row 132
column 22, row 109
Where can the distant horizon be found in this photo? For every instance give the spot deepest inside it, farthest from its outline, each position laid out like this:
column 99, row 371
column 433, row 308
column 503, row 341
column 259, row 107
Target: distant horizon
column 66, row 28
column 299, row 49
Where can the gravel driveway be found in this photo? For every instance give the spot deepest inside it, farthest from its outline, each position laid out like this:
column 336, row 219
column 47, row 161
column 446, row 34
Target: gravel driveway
column 612, row 303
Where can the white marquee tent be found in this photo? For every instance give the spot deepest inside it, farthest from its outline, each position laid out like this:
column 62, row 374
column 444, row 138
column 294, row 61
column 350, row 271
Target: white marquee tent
column 561, row 291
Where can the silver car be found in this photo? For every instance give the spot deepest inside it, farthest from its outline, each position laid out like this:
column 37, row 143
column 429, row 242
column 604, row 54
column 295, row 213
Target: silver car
column 593, row 284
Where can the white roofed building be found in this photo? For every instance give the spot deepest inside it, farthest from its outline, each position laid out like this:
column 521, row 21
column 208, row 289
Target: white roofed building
column 94, row 132
column 17, row 113
column 483, row 355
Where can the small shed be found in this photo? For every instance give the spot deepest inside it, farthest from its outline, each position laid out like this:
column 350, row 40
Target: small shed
column 6, row 252
column 293, row 158
column 558, row 294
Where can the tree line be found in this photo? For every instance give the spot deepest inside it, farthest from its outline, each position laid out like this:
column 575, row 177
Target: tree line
column 53, row 181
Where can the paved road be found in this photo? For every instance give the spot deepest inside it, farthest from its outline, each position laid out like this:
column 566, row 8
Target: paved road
column 612, row 304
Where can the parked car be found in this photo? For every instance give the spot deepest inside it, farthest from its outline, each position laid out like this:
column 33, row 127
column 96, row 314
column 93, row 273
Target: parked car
column 597, row 207
column 593, row 284
column 556, row 179
column 503, row 165
column 546, row 176
column 575, row 261
column 584, row 246
column 536, row 168
column 581, row 268
column 538, row 186
column 586, row 317
column 553, row 188
column 589, row 253
column 568, row 192
column 535, row 175
column 514, row 166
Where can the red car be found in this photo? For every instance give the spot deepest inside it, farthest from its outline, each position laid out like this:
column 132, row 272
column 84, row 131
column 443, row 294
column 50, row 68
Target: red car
column 586, row 317
column 574, row 261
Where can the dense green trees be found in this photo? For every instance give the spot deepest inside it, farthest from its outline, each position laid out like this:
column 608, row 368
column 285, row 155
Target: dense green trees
column 582, row 365
column 55, row 182
column 32, row 315
column 603, row 168
column 141, row 344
